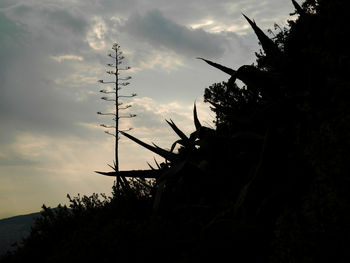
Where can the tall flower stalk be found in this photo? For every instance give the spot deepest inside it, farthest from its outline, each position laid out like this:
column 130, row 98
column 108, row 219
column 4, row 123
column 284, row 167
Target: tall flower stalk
column 113, row 95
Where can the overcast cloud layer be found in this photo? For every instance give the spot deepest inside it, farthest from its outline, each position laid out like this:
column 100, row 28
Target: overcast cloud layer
column 51, row 54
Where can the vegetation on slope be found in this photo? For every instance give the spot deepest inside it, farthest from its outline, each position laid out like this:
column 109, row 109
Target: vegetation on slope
column 269, row 184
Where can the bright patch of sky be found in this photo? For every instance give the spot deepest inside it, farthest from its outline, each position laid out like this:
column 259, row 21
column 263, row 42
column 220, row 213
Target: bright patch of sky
column 52, row 54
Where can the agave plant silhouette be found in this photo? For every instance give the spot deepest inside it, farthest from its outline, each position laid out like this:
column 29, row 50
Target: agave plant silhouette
column 266, row 85
column 272, row 117
column 174, row 162
column 188, row 143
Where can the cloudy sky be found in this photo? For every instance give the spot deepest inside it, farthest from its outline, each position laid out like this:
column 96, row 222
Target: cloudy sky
column 52, row 52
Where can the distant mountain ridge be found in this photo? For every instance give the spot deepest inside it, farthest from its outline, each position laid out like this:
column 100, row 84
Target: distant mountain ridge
column 13, row 229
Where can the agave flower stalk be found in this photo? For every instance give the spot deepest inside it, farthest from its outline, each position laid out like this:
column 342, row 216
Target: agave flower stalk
column 112, row 95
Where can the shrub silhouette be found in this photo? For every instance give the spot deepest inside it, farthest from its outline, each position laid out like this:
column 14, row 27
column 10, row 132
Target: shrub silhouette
column 269, row 184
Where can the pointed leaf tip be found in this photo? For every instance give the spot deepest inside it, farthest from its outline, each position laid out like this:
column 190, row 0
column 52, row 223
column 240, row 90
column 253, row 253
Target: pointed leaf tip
column 270, row 48
column 177, row 130
column 150, row 166
column 159, row 167
column 249, row 20
column 297, row 7
column 163, row 153
column 197, row 123
column 227, row 70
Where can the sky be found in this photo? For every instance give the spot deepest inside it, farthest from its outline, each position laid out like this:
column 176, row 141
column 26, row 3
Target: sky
column 52, row 52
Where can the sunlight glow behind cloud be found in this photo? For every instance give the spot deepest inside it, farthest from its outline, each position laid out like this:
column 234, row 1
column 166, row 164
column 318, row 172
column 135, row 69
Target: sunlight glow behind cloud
column 96, row 36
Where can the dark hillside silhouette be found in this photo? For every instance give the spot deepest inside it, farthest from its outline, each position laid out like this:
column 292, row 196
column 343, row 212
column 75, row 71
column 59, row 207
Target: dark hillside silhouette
column 13, row 229
column 269, row 184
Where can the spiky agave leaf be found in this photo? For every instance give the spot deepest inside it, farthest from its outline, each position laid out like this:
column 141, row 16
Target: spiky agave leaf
column 150, row 166
column 161, row 152
column 270, row 48
column 181, row 142
column 111, row 166
column 157, row 147
column 197, row 123
column 194, row 136
column 118, row 177
column 156, row 163
column 177, row 130
column 297, row 7
column 227, row 70
column 133, row 173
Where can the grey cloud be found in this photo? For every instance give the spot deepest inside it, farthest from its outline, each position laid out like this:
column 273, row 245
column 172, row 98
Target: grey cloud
column 30, row 100
column 49, row 18
column 119, row 7
column 161, row 32
column 8, row 30
column 39, row 95
column 186, row 11
column 69, row 19
column 8, row 3
column 11, row 39
column 226, row 12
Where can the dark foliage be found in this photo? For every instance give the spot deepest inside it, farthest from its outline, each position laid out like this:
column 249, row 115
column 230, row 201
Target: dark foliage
column 93, row 228
column 269, row 184
column 304, row 177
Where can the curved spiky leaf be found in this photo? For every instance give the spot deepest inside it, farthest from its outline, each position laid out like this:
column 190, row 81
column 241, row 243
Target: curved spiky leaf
column 161, row 152
column 181, row 142
column 297, row 7
column 150, row 166
column 133, row 173
column 156, row 163
column 173, row 146
column 197, row 124
column 157, row 147
column 227, row 70
column 270, row 48
column 177, row 130
column 194, row 136
column 111, row 166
